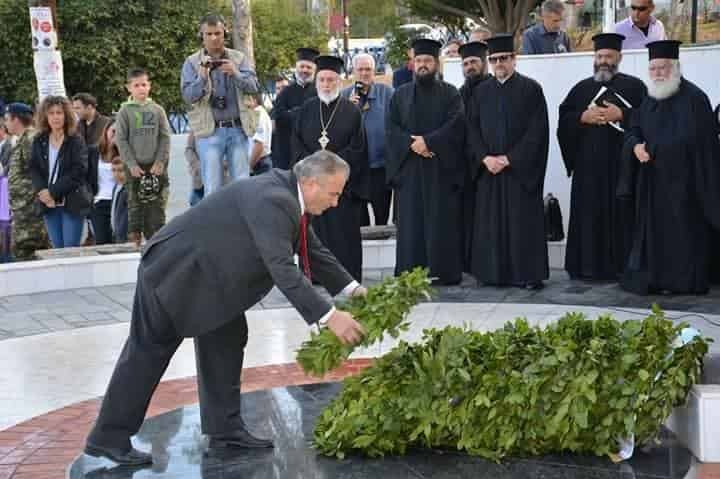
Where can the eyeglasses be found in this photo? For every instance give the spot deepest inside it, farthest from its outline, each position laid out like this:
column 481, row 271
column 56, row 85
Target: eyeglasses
column 639, row 8
column 500, row 59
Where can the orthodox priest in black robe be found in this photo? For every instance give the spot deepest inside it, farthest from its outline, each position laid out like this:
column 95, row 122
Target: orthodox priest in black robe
column 424, row 165
column 673, row 160
column 508, row 133
column 474, row 57
column 288, row 103
column 592, row 122
column 332, row 122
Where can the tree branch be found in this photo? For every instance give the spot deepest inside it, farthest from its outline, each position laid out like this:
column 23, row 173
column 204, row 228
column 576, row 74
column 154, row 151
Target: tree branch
column 454, row 10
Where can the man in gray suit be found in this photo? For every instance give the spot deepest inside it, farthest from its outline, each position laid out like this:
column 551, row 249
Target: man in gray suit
column 197, row 277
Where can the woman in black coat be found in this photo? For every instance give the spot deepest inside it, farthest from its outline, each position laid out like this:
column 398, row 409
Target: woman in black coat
column 58, row 167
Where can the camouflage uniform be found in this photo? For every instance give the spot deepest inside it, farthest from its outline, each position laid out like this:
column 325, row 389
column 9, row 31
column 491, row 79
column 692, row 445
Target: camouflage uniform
column 28, row 229
column 146, row 218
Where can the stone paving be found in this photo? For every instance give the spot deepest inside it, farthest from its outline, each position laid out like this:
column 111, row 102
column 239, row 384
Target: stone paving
column 58, row 311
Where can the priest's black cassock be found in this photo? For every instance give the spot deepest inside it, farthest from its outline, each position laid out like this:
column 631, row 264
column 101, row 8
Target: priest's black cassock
column 676, row 193
column 428, row 189
column 469, row 191
column 338, row 228
column 284, row 113
column 600, row 228
column 508, row 243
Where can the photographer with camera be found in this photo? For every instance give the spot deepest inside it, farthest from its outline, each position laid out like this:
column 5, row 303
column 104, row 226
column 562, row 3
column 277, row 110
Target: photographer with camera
column 214, row 82
column 373, row 99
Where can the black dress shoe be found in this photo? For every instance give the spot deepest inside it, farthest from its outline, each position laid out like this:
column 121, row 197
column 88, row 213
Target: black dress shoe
column 131, row 457
column 240, row 438
column 535, row 286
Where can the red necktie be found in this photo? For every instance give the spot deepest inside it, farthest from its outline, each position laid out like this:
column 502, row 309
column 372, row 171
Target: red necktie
column 304, row 246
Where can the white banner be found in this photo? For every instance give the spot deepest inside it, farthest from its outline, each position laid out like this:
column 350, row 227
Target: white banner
column 49, row 73
column 44, row 35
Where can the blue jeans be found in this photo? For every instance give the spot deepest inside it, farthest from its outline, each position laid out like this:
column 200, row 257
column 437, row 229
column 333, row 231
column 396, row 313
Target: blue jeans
column 196, row 196
column 64, row 228
column 226, row 144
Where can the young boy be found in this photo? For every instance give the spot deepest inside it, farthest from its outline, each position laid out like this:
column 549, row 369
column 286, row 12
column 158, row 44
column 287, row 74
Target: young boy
column 142, row 135
column 119, row 208
column 259, row 144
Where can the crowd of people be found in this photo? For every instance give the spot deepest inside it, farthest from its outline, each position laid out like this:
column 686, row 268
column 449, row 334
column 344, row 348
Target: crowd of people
column 462, row 170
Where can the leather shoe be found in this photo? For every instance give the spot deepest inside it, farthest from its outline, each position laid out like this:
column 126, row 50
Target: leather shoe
column 131, row 457
column 239, row 438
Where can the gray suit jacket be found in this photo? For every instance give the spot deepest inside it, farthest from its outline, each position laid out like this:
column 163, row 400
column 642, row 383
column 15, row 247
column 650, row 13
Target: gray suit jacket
column 215, row 261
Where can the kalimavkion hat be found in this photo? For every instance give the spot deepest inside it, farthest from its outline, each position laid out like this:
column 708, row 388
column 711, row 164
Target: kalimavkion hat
column 426, row 46
column 327, row 62
column 474, row 49
column 608, row 41
column 669, row 49
column 503, row 43
column 306, row 53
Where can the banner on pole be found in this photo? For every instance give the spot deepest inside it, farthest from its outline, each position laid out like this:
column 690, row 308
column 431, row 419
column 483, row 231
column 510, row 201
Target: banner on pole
column 49, row 73
column 44, row 35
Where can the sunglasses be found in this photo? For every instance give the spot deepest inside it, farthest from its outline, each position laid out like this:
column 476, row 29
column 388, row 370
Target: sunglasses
column 500, row 59
column 639, row 8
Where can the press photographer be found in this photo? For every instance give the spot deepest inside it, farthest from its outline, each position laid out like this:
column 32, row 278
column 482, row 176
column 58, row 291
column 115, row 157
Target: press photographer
column 373, row 100
column 214, row 81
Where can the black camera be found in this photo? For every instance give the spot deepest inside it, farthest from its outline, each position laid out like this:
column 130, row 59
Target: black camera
column 213, row 63
column 219, row 102
column 360, row 88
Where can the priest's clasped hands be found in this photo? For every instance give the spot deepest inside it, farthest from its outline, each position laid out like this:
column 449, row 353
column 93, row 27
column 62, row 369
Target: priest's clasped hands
column 419, row 147
column 495, row 164
column 598, row 115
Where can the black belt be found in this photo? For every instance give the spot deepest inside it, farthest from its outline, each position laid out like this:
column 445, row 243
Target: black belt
column 234, row 123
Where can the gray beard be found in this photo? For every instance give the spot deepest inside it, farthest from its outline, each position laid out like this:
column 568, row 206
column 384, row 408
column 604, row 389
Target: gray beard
column 604, row 76
column 660, row 90
column 302, row 81
column 328, row 98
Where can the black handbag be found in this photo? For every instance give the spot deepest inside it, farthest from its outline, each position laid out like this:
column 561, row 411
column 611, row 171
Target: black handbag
column 79, row 201
column 554, row 230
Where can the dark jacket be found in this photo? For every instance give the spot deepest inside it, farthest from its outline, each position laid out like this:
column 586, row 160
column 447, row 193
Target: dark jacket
column 119, row 214
column 402, row 76
column 92, row 134
column 92, row 171
column 72, row 165
column 203, row 279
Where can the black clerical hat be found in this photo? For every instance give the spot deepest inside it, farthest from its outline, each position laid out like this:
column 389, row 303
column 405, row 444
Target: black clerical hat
column 426, row 46
column 327, row 62
column 608, row 41
column 504, row 43
column 308, row 54
column 474, row 49
column 669, row 49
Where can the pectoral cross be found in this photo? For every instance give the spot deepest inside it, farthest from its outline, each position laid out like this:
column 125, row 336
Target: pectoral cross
column 323, row 140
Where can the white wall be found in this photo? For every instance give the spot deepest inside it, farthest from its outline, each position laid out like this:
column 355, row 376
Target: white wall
column 559, row 73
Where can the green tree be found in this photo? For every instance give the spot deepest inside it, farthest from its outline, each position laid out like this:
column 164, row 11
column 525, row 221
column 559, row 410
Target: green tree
column 500, row 16
column 100, row 40
column 279, row 28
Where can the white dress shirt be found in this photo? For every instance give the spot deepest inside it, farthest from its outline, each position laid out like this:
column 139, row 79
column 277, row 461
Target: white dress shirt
column 348, row 290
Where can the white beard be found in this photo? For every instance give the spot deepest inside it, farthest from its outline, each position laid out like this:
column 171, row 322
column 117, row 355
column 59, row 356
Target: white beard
column 328, row 98
column 660, row 90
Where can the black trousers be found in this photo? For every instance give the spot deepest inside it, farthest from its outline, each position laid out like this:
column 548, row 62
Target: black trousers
column 380, row 198
column 143, row 361
column 100, row 217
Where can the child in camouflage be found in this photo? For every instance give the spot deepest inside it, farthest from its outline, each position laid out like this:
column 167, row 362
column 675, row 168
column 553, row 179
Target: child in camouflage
column 143, row 138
